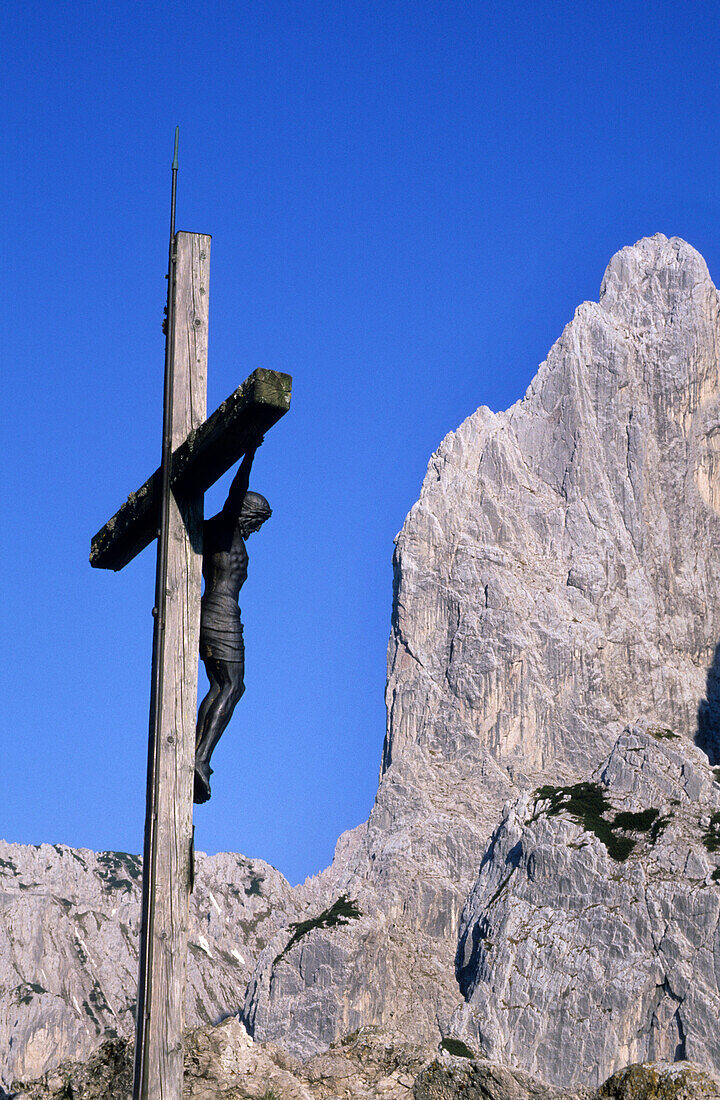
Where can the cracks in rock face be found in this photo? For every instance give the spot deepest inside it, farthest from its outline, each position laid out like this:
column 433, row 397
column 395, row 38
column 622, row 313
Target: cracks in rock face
column 663, row 991
column 468, row 966
column 453, row 613
column 655, row 942
column 707, row 734
column 681, row 1048
column 628, row 453
column 660, row 1028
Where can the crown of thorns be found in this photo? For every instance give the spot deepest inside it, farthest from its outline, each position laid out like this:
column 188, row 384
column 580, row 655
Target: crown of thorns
column 255, row 506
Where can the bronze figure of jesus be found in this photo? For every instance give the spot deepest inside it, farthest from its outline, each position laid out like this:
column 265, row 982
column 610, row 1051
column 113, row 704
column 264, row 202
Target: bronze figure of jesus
column 225, row 565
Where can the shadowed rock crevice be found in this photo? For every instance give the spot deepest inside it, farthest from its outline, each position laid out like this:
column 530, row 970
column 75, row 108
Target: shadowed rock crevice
column 707, row 736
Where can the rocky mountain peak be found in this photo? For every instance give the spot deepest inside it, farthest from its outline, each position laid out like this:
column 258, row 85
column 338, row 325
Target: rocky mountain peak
column 644, row 282
column 554, row 583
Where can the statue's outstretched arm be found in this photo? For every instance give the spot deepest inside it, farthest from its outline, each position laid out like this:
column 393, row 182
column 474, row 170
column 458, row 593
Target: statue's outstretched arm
column 240, row 483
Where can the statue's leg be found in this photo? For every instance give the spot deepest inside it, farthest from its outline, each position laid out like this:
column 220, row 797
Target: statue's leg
column 207, row 701
column 229, row 676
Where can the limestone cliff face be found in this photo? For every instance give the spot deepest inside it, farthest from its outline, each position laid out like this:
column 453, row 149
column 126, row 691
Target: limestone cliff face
column 591, row 939
column 69, row 934
column 558, row 575
column 557, row 580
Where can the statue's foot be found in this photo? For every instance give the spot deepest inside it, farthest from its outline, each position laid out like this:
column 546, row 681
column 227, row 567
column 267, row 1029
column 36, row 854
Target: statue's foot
column 203, row 772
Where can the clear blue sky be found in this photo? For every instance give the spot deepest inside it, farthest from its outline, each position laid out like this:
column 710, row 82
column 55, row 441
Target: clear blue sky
column 407, row 202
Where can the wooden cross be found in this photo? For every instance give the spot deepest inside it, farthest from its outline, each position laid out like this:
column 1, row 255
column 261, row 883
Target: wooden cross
column 202, row 450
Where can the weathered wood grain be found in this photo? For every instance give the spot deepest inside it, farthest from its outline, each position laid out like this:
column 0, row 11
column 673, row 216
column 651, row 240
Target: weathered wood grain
column 166, row 889
column 199, row 460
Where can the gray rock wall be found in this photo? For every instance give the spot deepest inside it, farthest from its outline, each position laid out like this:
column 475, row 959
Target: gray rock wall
column 555, row 581
column 69, row 933
column 591, row 940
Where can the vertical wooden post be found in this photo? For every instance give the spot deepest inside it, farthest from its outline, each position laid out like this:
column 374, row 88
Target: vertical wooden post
column 167, row 879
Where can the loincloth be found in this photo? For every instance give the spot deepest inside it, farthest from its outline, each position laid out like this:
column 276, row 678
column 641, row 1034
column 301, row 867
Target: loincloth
column 221, row 631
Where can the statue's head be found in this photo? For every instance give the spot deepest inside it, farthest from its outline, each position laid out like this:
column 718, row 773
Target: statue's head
column 255, row 510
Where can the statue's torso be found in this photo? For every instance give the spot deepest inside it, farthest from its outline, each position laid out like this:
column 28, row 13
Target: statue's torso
column 225, row 559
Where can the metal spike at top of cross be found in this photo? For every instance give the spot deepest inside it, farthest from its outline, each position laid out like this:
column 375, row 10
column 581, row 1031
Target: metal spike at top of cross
column 169, row 506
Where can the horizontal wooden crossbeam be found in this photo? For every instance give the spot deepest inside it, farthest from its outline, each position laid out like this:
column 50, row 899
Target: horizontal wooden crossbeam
column 196, row 464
